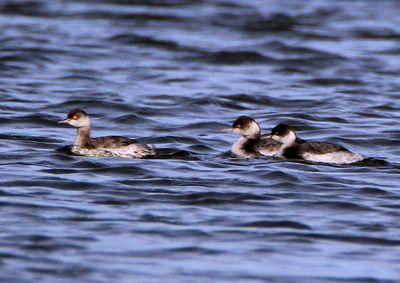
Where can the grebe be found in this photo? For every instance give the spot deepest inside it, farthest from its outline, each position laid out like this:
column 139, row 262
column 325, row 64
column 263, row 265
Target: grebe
column 293, row 147
column 251, row 143
column 110, row 146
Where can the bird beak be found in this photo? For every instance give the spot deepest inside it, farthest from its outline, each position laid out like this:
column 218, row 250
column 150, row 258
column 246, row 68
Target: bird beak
column 65, row 121
column 227, row 130
column 269, row 137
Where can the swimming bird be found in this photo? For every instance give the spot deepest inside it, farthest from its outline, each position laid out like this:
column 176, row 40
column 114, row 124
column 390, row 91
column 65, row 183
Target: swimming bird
column 109, row 146
column 293, row 147
column 251, row 143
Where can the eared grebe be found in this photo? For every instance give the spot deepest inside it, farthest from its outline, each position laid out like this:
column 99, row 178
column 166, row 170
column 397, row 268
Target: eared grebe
column 103, row 146
column 293, row 147
column 252, row 143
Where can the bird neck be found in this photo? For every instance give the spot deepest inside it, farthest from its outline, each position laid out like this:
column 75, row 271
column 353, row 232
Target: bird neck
column 254, row 136
column 287, row 142
column 82, row 136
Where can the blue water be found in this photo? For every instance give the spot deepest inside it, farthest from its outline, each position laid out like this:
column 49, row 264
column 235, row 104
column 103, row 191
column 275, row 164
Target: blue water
column 173, row 74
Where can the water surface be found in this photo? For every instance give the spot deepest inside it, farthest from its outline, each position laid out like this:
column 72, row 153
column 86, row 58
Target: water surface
column 173, row 74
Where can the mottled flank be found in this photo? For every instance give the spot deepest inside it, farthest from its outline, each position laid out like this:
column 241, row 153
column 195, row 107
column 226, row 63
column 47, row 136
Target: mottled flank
column 114, row 146
column 115, row 142
column 267, row 146
column 338, row 157
column 319, row 147
column 326, row 152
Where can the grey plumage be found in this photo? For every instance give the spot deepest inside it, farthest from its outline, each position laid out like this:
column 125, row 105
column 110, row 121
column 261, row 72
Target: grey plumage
column 319, row 147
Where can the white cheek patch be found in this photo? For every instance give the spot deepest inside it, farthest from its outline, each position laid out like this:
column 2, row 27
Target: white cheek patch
column 84, row 122
column 288, row 140
column 276, row 138
column 254, row 128
column 73, row 123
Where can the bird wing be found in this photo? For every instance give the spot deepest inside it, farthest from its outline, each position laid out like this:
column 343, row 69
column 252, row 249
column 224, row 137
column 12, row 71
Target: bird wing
column 267, row 146
column 319, row 147
column 111, row 142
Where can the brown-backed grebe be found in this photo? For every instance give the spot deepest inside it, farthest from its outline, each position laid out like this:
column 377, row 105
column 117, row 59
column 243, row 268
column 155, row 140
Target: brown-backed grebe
column 251, row 143
column 110, row 146
column 293, row 147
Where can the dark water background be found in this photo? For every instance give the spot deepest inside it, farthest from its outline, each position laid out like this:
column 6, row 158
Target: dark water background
column 174, row 73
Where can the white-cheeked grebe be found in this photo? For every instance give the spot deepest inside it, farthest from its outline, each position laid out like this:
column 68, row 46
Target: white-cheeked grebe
column 251, row 143
column 293, row 147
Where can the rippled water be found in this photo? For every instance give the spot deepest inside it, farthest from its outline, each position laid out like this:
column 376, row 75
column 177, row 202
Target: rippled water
column 173, row 74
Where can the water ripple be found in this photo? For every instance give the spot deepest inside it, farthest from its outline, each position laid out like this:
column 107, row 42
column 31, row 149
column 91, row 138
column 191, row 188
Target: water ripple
column 174, row 74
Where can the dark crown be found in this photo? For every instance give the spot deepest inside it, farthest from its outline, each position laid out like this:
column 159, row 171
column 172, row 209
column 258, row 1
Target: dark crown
column 282, row 130
column 76, row 113
column 242, row 122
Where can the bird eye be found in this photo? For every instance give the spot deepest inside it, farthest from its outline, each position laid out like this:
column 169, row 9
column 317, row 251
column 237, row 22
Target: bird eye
column 75, row 117
column 239, row 126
